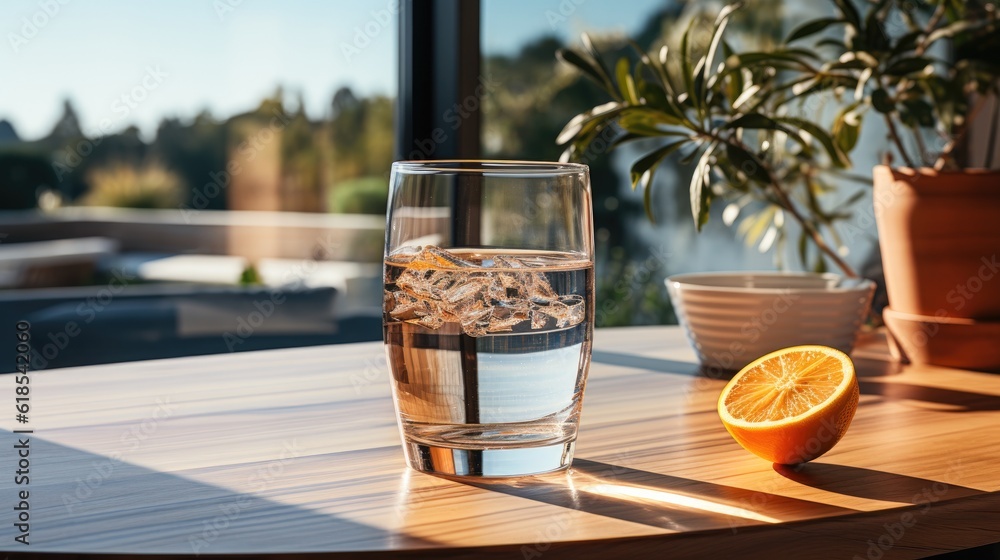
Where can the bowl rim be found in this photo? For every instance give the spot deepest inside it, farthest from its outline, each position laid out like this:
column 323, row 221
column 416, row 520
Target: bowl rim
column 686, row 281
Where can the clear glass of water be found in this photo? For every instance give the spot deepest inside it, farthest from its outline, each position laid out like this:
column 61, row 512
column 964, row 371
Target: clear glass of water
column 488, row 313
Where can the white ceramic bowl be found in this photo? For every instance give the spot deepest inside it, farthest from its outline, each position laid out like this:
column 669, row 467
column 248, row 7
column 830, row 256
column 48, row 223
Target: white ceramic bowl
column 733, row 318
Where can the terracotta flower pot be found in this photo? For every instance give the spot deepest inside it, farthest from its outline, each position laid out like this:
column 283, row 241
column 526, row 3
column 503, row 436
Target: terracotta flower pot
column 939, row 234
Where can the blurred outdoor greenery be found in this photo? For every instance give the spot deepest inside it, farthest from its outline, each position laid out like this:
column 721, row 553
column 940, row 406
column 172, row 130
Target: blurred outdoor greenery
column 365, row 195
column 124, row 185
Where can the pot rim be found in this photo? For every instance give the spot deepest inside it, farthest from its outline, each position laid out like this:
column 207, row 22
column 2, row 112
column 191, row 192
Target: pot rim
column 938, row 319
column 853, row 285
column 930, row 171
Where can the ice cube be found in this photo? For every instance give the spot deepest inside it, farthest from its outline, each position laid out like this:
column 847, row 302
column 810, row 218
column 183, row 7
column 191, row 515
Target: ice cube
column 444, row 259
column 437, row 287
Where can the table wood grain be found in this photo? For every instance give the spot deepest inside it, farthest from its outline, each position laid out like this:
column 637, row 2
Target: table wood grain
column 295, row 453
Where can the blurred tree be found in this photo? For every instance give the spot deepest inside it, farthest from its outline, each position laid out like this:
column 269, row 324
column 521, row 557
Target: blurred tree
column 67, row 128
column 23, row 176
column 7, row 133
column 194, row 151
column 361, row 136
column 301, row 164
column 366, row 195
column 124, row 185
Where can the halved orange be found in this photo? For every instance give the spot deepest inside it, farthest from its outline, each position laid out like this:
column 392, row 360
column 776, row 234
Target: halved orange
column 792, row 405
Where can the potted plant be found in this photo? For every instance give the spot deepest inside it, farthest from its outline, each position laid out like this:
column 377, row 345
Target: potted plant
column 740, row 122
column 929, row 71
column 735, row 115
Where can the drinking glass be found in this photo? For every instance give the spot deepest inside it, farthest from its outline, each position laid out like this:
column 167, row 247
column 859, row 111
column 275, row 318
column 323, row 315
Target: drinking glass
column 488, row 313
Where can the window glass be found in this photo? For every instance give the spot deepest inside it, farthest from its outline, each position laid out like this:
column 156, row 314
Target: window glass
column 131, row 133
column 287, row 105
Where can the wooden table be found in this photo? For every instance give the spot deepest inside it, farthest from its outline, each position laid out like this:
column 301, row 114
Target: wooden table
column 297, row 451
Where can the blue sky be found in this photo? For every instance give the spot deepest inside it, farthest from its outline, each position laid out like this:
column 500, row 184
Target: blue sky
column 226, row 55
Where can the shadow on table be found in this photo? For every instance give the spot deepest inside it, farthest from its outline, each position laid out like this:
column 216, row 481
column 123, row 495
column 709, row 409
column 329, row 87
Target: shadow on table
column 962, row 401
column 874, row 485
column 653, row 364
column 657, row 500
column 114, row 506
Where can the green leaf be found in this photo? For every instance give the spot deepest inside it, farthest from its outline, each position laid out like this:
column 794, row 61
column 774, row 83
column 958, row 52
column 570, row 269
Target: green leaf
column 625, row 82
column 772, row 58
column 649, row 122
column 852, row 64
column 853, row 198
column 590, row 70
column 811, row 28
column 876, row 39
column 698, row 98
column 651, row 160
column 651, row 94
column 661, row 71
column 907, row 42
column 849, row 12
column 754, row 226
column 686, row 61
column 882, row 102
column 647, row 199
column 803, row 248
column 820, row 267
column 906, row 66
column 866, row 58
column 577, row 124
column 752, row 120
column 847, row 137
column 839, row 45
column 837, row 156
column 689, row 158
column 917, row 112
column 735, row 83
column 747, row 163
column 720, row 28
column 949, row 31
column 623, row 138
column 598, row 60
column 700, row 193
column 845, row 132
column 747, row 94
column 582, row 142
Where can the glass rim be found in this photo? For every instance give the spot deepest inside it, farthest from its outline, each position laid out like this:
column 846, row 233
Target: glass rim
column 497, row 166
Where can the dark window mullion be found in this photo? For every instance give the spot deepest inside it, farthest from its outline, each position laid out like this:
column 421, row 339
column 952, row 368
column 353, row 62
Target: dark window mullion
column 439, row 55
